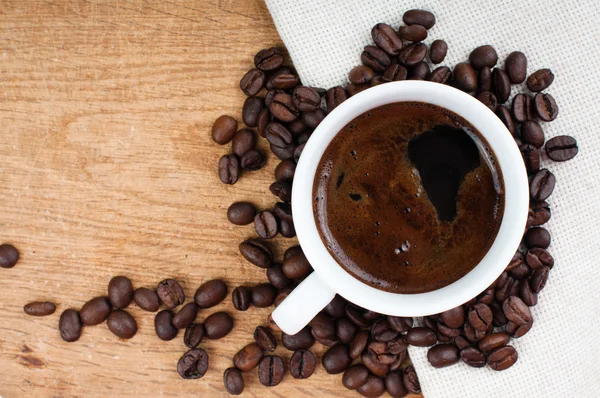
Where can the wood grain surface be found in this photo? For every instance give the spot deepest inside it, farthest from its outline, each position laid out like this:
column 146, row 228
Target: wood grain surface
column 107, row 168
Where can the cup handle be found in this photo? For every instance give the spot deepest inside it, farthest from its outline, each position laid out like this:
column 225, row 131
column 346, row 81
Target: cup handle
column 301, row 306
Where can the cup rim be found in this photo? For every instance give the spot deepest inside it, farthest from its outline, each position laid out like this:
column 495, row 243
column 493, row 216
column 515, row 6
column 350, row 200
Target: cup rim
column 498, row 256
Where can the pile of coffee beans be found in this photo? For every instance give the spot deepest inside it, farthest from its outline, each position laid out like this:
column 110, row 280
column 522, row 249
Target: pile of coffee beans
column 369, row 348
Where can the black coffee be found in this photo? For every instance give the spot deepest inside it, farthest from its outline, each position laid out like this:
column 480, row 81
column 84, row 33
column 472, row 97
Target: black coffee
column 408, row 197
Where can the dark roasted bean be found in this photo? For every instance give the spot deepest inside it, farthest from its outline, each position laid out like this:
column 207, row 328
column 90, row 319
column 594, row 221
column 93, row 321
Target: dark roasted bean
column 264, row 338
column 264, row 118
column 306, row 99
column 269, row 59
column 233, row 381
column 170, row 293
column 313, row 119
column 283, row 153
column 336, row 307
column 120, row 291
column 241, row 213
column 218, row 325
column 296, row 266
column 483, row 56
column 285, row 81
column 480, row 316
column 257, row 252
column 532, row 133
column 453, row 318
column 375, row 58
column 473, row 357
column 355, row 376
column 336, row 359
column 440, row 75
column 465, row 77
column 122, row 324
column 263, row 295
column 516, row 311
column 522, row 108
column 186, row 316
column 504, row 114
column 358, row 344
column 210, row 293
column 442, row 355
column 283, row 70
column 386, row 38
column 488, row 99
column 193, row 335
column 95, row 311
column 248, row 357
column 242, row 298
column 412, row 54
column 335, row 96
column 243, row 141
column 282, row 107
column 517, row 331
column 545, row 107
column 419, row 17
column 484, row 80
column 356, row 316
column 411, row 381
column 395, row 72
column 193, row 364
column 361, row 74
column 69, row 325
column 531, row 157
column 414, row 33
column 537, row 237
column 561, row 148
column 229, row 169
column 253, row 160
column 301, row 340
column 252, row 82
column 251, row 109
column 270, row 96
column 539, row 279
column 223, row 129
column 539, row 213
column 382, row 331
column 526, row 294
column 542, row 185
column 353, row 89
column 516, row 67
column 438, row 50
column 421, row 336
column 500, row 85
column 400, row 324
column 163, row 325
column 271, row 370
column 302, row 364
column 345, row 330
column 39, row 308
column 540, row 80
column 285, row 170
column 503, row 358
column 419, row 72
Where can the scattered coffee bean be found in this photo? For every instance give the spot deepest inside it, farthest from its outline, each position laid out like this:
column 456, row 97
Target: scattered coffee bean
column 539, row 279
column 271, row 370
column 361, row 74
column 355, row 376
column 243, row 141
column 282, row 70
column 395, row 72
column 250, row 111
column 39, row 308
column 242, row 298
column 120, row 292
column 263, row 295
column 193, row 335
column 296, row 266
column 517, row 331
column 186, row 316
column 302, row 364
column 336, row 307
column 503, row 358
column 265, row 339
column 377, row 80
column 412, row 54
column 269, row 59
column 400, row 324
column 283, row 153
column 421, row 336
column 358, row 344
column 499, row 319
column 278, row 135
column 122, row 324
column 532, row 133
column 95, row 311
column 382, row 331
column 379, row 365
column 223, row 129
column 488, row 99
column 526, row 294
column 218, row 325
column 248, row 357
column 283, row 190
column 386, row 38
column 542, row 185
column 373, row 387
column 438, row 51
column 483, row 56
column 540, row 80
column 473, row 357
column 356, row 316
column 375, row 58
column 265, row 224
column 70, row 325
column 163, row 325
column 440, row 75
column 419, row 72
column 504, row 114
column 298, row 152
column 537, row 237
column 461, row 342
column 414, row 33
column 500, row 85
column 9, row 255
column 285, row 81
column 345, row 330
column 522, row 108
column 465, row 77
column 241, row 213
column 336, row 359
column 253, row 160
column 442, row 355
column 493, row 341
column 561, row 148
column 229, row 169
column 516, row 67
column 282, row 107
column 269, row 98
column 516, row 311
column 146, row 299
column 531, row 156
column 336, row 95
column 539, row 214
column 484, row 80
column 257, row 253
column 210, row 293
column 193, row 364
column 545, row 107
column 480, row 316
column 323, row 328
column 252, row 82
column 419, row 17
column 306, row 99
column 301, row 340
column 285, row 170
column 233, row 381
column 354, row 89
column 411, row 380
column 313, row 119
column 453, row 318
column 170, row 293
column 264, row 118
column 277, row 278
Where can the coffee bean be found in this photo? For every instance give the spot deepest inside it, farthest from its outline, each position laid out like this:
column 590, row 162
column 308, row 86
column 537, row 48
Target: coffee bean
column 542, row 185
column 442, row 355
column 540, row 80
column 400, row 324
column 377, row 80
column 503, row 292
column 163, row 325
column 170, row 293
column 248, row 357
column 453, row 318
column 522, row 108
column 301, row 340
column 269, row 59
column 517, row 331
column 250, row 111
column 358, row 344
column 356, row 316
column 386, row 38
column 313, row 119
column 361, row 74
column 438, row 51
column 283, row 190
column 264, row 338
column 296, row 266
column 411, row 380
column 516, row 311
column 419, row 17
column 516, row 67
column 265, row 224
column 120, row 291
column 473, row 357
column 520, row 272
column 146, row 299
column 353, row 89
column 379, row 365
column 39, row 308
column 283, row 153
column 394, row 385
column 500, row 85
column 374, row 58
column 253, row 160
column 421, row 336
column 440, row 75
column 537, row 237
column 486, row 297
column 382, row 331
column 323, row 329
column 285, row 170
column 264, row 118
column 263, row 295
column 336, row 95
column 526, row 294
column 257, row 253
column 233, row 381
column 193, row 335
column 412, row 54
column 243, row 141
column 271, row 370
column 278, row 135
column 499, row 319
column 186, row 316
column 414, row 33
column 282, row 107
column 285, row 81
column 373, row 387
column 229, row 169
column 70, row 325
column 277, row 278
column 336, row 307
column 488, row 99
column 504, row 114
column 336, row 359
column 9, row 255
column 252, row 82
column 242, row 298
column 218, row 325
column 532, row 133
column 545, row 107
column 306, row 99
column 223, row 129
column 210, row 293
column 480, row 316
column 484, row 80
column 193, row 364
column 531, row 157
column 561, row 148
column 503, row 358
column 419, row 72
column 241, row 213
column 345, row 330
column 269, row 98
column 95, row 311
column 283, row 210
column 461, row 342
column 355, row 376
column 465, row 77
column 302, row 364
column 395, row 72
column 493, row 341
column 539, row 279
column 282, row 70
column 538, row 257
column 122, row 324
column 483, row 56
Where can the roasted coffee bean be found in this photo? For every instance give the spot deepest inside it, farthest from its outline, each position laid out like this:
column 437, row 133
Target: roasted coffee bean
column 345, row 330
column 252, row 82
column 532, row 133
column 233, row 381
column 229, row 169
column 503, row 358
column 186, row 316
column 539, row 279
column 414, row 33
column 122, row 324
column 193, row 364
column 531, row 157
column 377, row 80
column 323, row 328
column 371, row 315
column 473, row 334
column 542, row 185
column 411, row 380
column 375, row 58
column 283, row 190
column 483, row 56
column 353, row 89
column 394, row 385
column 503, row 292
column 95, row 311
column 412, row 54
column 526, row 294
column 382, row 331
column 473, row 357
column 223, row 129
column 286, row 228
column 437, row 51
column 516, row 67
column 440, row 75
column 356, row 316
column 253, row 160
column 265, row 224
column 277, row 278
column 395, row 72
column 540, row 80
column 561, row 148
column 283, row 153
column 296, row 266
column 163, row 325
column 291, row 251
column 493, row 341
column 269, row 59
column 271, row 370
column 486, row 297
column 218, row 325
column 285, row 81
column 517, row 331
column 379, row 365
column 373, row 387
column 538, row 257
column 336, row 359
column 545, row 107
column 522, row 108
column 264, row 118
column 306, row 99
column 516, row 311
column 419, row 17
column 453, row 318
column 248, row 357
column 400, row 324
column 361, row 74
column 264, row 338
column 313, row 119
column 500, row 85
column 484, row 80
column 421, row 336
column 302, row 340
column 285, row 171
column 282, row 107
column 336, row 95
column 504, row 114
column 278, row 135
column 9, row 255
column 419, row 72
column 499, row 319
column 480, row 316
column 242, row 298
column 336, row 307
column 302, row 364
column 269, row 98
column 461, row 342
column 355, row 376
column 283, row 70
column 193, row 335
column 120, row 292
column 520, row 272
column 263, row 295
column 251, row 109
column 537, row 237
column 442, row 355
column 70, row 326
column 488, row 99
column 386, row 38
column 465, row 77
column 241, row 213
column 257, row 252
column 39, row 308
column 243, row 141
column 170, row 293
column 358, row 344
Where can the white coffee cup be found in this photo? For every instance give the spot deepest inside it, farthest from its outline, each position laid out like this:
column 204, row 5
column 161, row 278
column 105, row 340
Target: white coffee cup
column 329, row 278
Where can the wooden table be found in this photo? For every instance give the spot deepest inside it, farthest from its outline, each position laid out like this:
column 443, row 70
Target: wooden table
column 107, row 168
